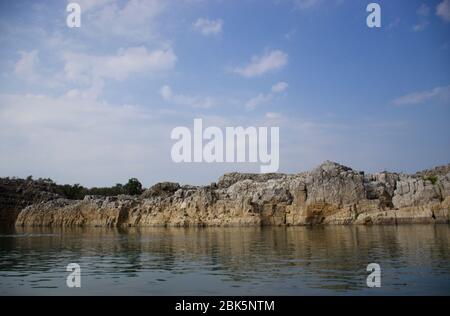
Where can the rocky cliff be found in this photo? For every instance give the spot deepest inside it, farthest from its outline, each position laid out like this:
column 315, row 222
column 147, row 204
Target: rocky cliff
column 329, row 194
column 15, row 194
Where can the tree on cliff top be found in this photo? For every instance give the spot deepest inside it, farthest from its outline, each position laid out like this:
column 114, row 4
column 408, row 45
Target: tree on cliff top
column 133, row 187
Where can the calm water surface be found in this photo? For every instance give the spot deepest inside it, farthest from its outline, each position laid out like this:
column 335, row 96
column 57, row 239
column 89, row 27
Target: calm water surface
column 415, row 260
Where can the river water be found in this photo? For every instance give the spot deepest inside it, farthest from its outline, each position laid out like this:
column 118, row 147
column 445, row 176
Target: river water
column 414, row 260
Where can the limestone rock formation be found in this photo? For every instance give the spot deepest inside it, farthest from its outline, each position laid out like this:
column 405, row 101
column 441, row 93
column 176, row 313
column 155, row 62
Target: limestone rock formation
column 15, row 194
column 329, row 194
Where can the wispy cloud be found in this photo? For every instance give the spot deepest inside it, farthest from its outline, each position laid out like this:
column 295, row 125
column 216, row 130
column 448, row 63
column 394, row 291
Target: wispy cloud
column 279, row 87
column 440, row 94
column 394, row 23
column 185, row 100
column 443, row 10
column 274, row 115
column 85, row 68
column 132, row 19
column 259, row 65
column 306, row 4
column 208, row 27
column 29, row 69
column 258, row 100
column 290, row 34
column 26, row 66
column 266, row 97
column 423, row 13
column 87, row 5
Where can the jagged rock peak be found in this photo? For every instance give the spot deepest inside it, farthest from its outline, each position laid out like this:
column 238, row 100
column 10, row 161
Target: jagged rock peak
column 162, row 188
column 330, row 166
column 229, row 179
column 436, row 171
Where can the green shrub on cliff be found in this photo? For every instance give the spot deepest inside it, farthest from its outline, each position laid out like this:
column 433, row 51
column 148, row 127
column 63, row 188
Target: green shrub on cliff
column 133, row 187
column 77, row 192
column 432, row 178
column 73, row 192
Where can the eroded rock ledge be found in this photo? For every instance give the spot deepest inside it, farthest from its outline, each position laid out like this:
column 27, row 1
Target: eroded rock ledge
column 329, row 194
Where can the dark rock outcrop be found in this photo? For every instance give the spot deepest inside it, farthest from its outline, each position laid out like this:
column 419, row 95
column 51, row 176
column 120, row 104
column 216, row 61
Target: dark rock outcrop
column 15, row 194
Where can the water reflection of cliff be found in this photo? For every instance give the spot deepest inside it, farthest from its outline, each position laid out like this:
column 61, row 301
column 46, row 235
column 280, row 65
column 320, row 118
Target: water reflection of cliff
column 337, row 255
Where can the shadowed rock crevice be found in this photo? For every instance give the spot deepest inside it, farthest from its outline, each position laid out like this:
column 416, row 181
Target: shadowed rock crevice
column 329, row 194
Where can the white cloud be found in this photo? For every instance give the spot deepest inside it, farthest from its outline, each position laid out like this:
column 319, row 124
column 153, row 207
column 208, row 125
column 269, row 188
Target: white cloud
column 280, row 87
column 260, row 65
column 185, row 100
column 86, row 68
column 208, row 27
column 274, row 115
column 26, row 66
column 87, row 5
column 443, row 10
column 94, row 90
column 166, row 92
column 289, row 35
column 441, row 94
column 394, row 23
column 306, row 4
column 258, row 100
column 29, row 69
column 262, row 98
column 422, row 25
column 133, row 19
column 275, row 118
column 423, row 12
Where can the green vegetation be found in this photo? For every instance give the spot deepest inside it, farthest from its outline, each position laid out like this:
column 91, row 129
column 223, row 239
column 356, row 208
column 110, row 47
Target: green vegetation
column 133, row 187
column 432, row 178
column 77, row 191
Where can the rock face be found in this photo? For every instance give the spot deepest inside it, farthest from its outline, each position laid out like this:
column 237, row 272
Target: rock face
column 329, row 194
column 15, row 194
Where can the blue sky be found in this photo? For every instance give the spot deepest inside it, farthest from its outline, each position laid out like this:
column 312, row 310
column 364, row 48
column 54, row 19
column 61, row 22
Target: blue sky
column 96, row 104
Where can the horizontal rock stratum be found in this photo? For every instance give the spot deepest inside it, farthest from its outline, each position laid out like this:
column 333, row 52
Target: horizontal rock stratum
column 329, row 194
